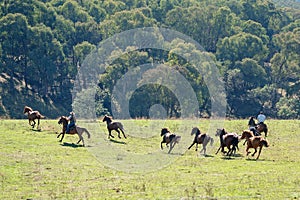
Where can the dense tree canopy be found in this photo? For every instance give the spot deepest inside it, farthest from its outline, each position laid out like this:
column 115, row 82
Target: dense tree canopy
column 255, row 44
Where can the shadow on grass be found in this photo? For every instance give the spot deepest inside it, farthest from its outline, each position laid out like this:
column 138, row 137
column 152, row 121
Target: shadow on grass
column 37, row 130
column 116, row 141
column 66, row 144
column 232, row 157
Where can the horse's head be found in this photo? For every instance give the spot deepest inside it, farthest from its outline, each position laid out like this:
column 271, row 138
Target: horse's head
column 246, row 134
column 220, row 132
column 27, row 109
column 107, row 119
column 196, row 131
column 164, row 131
column 62, row 120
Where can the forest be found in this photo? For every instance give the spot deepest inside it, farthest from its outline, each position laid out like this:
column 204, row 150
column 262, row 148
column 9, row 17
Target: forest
column 255, row 45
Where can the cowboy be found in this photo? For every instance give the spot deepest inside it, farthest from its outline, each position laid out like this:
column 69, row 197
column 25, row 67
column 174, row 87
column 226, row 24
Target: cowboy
column 261, row 118
column 72, row 120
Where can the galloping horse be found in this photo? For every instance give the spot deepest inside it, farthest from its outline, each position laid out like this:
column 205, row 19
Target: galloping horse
column 254, row 142
column 32, row 115
column 201, row 138
column 227, row 140
column 113, row 126
column 262, row 127
column 169, row 138
column 73, row 130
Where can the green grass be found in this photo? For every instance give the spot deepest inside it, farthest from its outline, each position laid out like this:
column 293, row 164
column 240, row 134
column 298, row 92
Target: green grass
column 34, row 165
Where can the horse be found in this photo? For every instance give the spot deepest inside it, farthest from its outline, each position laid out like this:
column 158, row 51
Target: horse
column 254, row 142
column 32, row 116
column 73, row 130
column 227, row 140
column 117, row 126
column 169, row 138
column 262, row 127
column 201, row 138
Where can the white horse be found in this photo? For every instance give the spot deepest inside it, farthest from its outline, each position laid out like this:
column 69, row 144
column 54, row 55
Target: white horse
column 201, row 138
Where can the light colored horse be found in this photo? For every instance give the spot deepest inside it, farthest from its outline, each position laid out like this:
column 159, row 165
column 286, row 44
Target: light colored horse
column 254, row 142
column 73, row 130
column 117, row 126
column 32, row 116
column 201, row 138
column 169, row 138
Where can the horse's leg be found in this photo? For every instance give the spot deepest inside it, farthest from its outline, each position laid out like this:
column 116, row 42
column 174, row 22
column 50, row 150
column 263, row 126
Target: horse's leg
column 38, row 126
column 123, row 133
column 266, row 131
column 80, row 138
column 62, row 137
column 255, row 150
column 259, row 152
column 172, row 144
column 118, row 133
column 247, row 150
column 218, row 149
column 109, row 134
column 191, row 145
column 33, row 125
column 161, row 144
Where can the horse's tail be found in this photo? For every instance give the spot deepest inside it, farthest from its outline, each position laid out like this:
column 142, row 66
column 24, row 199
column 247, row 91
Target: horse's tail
column 42, row 116
column 211, row 141
column 265, row 143
column 87, row 132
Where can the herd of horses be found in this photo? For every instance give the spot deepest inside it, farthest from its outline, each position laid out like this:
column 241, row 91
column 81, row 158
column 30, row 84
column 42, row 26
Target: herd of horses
column 227, row 140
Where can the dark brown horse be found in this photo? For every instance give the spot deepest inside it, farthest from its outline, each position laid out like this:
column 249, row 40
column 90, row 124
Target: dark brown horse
column 32, row 116
column 201, row 138
column 262, row 127
column 254, row 142
column 111, row 125
column 169, row 138
column 229, row 140
column 73, row 130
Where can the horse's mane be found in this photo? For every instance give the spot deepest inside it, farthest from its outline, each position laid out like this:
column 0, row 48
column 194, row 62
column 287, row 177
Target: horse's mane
column 249, row 133
column 196, row 131
column 27, row 109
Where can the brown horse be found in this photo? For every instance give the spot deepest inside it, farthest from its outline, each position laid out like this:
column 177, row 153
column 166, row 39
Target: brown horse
column 169, row 138
column 32, row 116
column 201, row 138
column 117, row 126
column 227, row 140
column 254, row 142
column 73, row 130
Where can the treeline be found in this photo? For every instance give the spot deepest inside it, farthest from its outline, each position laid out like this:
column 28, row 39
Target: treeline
column 254, row 43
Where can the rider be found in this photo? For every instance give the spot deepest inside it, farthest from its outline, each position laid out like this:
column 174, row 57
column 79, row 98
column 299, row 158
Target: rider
column 72, row 120
column 261, row 118
column 252, row 125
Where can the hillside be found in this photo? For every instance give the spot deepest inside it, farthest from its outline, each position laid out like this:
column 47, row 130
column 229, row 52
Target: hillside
column 254, row 46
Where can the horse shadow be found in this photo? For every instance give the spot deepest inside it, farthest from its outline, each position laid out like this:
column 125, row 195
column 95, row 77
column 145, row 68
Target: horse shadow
column 117, row 142
column 232, row 157
column 66, row 144
column 36, row 130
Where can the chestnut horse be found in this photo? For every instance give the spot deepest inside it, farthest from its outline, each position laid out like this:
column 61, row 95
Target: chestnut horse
column 201, row 138
column 169, row 138
column 254, row 142
column 32, row 116
column 117, row 126
column 73, row 130
column 227, row 140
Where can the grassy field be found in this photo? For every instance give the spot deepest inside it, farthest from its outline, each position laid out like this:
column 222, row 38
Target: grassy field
column 35, row 165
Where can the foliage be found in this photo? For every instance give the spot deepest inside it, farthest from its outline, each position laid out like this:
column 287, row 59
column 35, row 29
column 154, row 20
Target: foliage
column 255, row 45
